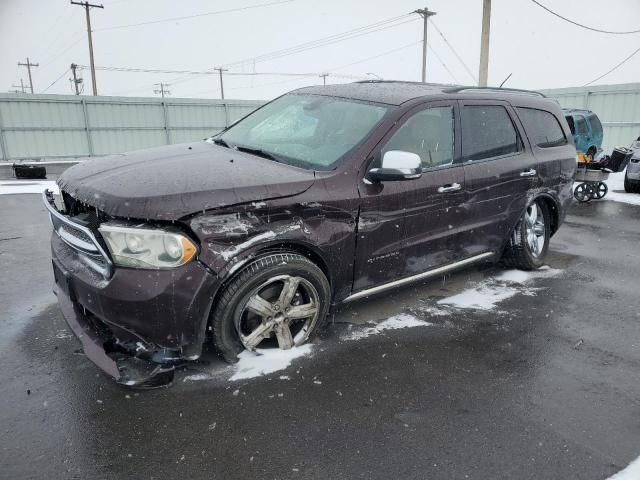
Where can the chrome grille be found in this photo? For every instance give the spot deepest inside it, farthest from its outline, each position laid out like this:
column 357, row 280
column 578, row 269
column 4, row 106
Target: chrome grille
column 78, row 237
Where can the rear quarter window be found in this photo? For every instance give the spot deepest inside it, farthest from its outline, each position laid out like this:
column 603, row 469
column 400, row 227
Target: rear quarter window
column 596, row 126
column 543, row 128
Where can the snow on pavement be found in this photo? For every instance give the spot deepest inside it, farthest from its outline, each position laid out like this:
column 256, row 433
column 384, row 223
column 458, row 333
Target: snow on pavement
column 616, row 182
column 403, row 320
column 13, row 187
column 265, row 361
column 632, row 472
column 488, row 293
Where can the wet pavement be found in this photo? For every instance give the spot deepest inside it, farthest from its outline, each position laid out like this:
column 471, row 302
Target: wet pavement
column 544, row 385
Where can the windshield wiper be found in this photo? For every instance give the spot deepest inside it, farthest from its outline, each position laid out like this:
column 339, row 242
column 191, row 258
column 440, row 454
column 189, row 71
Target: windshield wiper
column 257, row 151
column 221, row 142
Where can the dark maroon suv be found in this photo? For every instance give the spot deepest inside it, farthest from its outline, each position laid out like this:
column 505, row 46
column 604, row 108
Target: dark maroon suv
column 324, row 195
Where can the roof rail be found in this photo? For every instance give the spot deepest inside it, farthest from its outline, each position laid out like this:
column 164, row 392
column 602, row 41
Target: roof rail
column 496, row 89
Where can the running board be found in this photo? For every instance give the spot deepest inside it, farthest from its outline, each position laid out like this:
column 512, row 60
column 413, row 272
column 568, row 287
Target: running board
column 420, row 276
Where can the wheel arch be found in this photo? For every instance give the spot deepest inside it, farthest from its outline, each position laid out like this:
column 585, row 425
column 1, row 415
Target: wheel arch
column 552, row 206
column 284, row 246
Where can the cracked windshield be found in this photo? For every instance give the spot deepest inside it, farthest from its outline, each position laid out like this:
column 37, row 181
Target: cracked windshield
column 287, row 239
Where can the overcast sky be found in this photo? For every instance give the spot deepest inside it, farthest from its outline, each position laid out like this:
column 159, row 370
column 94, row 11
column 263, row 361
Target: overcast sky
column 541, row 51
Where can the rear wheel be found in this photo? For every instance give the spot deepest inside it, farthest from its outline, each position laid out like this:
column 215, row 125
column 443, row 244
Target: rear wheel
column 631, row 187
column 278, row 301
column 530, row 240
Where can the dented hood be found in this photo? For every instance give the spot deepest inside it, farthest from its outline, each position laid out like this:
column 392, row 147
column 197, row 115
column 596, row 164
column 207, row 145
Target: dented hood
column 168, row 183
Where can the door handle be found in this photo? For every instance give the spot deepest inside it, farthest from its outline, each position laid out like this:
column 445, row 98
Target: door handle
column 529, row 173
column 454, row 187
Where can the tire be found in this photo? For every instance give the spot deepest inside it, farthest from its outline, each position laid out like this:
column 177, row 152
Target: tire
column 520, row 253
column 583, row 192
column 600, row 191
column 629, row 186
column 253, row 309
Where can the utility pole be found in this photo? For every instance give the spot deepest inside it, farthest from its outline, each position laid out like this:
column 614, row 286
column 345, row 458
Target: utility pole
column 484, row 43
column 76, row 81
column 21, row 87
column 163, row 89
column 324, row 78
column 29, row 65
column 425, row 13
column 220, row 70
column 86, row 6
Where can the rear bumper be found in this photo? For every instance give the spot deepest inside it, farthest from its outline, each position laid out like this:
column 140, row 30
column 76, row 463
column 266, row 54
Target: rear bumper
column 137, row 323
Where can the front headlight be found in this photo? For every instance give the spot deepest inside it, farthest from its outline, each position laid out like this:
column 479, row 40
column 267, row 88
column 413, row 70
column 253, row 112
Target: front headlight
column 146, row 247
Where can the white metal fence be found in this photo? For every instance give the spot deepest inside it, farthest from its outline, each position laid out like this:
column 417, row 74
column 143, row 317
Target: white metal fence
column 617, row 106
column 68, row 126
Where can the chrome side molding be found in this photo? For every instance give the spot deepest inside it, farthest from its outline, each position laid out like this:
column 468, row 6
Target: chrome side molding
column 419, row 276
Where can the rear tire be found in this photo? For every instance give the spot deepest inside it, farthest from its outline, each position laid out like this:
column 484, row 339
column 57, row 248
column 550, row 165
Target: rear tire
column 631, row 187
column 529, row 241
column 250, row 312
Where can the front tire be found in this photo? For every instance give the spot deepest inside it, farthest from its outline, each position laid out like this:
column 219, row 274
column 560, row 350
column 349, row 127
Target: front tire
column 277, row 301
column 530, row 239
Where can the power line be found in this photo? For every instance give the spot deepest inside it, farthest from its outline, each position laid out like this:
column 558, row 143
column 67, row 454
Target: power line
column 186, row 17
column 331, row 39
column 388, row 52
column 613, row 69
column 580, row 24
column 442, row 63
column 321, row 42
column 208, row 72
column 56, row 80
column 454, row 52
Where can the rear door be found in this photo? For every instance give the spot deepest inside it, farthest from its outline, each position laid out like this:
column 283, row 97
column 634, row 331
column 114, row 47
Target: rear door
column 499, row 170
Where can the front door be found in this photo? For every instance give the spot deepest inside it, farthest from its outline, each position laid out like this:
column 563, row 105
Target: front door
column 499, row 171
column 408, row 227
column 433, row 224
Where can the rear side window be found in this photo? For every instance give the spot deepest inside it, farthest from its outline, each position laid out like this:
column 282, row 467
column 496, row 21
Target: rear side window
column 572, row 125
column 542, row 127
column 581, row 124
column 596, row 126
column 487, row 131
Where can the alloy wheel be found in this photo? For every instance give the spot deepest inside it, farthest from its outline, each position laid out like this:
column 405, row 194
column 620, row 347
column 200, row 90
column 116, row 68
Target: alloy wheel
column 285, row 307
column 535, row 229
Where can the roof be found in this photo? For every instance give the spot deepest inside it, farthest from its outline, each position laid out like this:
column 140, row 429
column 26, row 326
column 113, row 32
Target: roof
column 398, row 92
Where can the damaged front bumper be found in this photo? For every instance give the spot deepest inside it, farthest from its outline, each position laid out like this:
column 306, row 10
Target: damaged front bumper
column 125, row 368
column 135, row 324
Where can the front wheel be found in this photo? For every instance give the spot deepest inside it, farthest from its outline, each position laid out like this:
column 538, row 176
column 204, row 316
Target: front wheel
column 530, row 240
column 278, row 301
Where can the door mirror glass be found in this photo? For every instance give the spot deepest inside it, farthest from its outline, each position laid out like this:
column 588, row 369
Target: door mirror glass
column 397, row 165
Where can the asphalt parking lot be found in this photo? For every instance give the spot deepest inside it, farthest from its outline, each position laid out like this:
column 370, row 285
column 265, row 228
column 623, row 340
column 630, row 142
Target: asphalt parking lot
column 528, row 377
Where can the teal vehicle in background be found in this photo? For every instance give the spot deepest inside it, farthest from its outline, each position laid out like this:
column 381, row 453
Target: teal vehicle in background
column 586, row 130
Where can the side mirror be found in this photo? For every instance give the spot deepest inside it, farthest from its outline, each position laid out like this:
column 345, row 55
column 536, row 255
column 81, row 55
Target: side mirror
column 397, row 165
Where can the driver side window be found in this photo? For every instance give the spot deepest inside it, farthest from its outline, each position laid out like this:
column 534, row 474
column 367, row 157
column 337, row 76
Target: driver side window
column 429, row 134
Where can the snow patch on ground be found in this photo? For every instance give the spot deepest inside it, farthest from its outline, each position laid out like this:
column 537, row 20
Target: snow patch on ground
column 403, row 320
column 487, row 294
column 616, row 182
column 13, row 187
column 263, row 362
column 632, row 472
